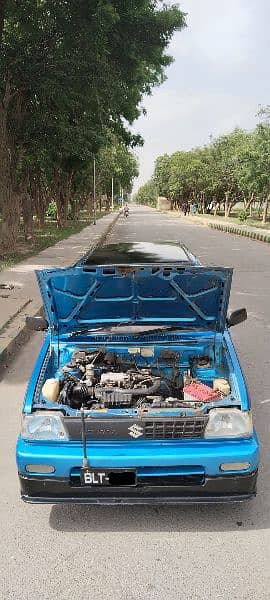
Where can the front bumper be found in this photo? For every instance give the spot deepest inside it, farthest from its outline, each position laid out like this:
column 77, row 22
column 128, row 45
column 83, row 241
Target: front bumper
column 42, row 490
column 148, row 458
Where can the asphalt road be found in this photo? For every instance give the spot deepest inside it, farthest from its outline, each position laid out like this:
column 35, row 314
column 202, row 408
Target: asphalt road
column 126, row 553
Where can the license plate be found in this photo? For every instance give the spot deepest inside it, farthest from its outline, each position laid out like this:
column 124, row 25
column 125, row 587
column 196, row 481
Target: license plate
column 102, row 477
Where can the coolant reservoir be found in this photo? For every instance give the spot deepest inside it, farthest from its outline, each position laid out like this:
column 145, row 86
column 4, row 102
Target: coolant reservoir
column 50, row 390
column 222, row 385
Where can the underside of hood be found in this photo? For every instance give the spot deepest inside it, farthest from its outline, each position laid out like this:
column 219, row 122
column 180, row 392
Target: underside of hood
column 83, row 297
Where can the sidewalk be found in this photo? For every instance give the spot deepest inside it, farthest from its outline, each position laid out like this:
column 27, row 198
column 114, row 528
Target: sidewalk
column 19, row 292
column 256, row 233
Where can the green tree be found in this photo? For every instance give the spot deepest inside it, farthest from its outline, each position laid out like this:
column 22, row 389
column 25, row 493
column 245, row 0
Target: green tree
column 69, row 71
column 233, row 168
column 117, row 161
column 162, row 174
column 260, row 163
column 147, row 194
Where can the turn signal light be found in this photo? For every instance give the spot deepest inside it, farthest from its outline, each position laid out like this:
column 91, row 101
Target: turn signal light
column 39, row 468
column 238, row 466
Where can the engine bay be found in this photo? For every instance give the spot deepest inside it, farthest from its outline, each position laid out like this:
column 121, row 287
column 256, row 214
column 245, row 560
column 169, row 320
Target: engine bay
column 123, row 379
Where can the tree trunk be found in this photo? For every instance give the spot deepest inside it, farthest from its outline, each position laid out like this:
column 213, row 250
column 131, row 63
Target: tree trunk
column 2, row 16
column 90, row 204
column 62, row 209
column 203, row 202
column 4, row 155
column 9, row 197
column 40, row 204
column 62, row 199
column 265, row 209
column 248, row 202
column 216, row 206
column 229, row 208
column 10, row 222
column 9, row 201
column 226, row 205
column 27, row 213
column 75, row 208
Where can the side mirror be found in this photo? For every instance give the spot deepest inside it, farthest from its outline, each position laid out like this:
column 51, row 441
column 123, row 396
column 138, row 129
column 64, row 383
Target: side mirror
column 36, row 323
column 237, row 316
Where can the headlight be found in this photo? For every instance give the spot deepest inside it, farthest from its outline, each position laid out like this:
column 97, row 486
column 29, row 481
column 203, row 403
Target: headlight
column 44, row 425
column 228, row 422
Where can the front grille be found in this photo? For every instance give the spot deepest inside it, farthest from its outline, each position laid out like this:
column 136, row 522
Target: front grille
column 137, row 428
column 173, row 429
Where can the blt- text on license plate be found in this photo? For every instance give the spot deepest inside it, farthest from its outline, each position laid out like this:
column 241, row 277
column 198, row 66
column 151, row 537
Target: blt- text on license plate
column 89, row 477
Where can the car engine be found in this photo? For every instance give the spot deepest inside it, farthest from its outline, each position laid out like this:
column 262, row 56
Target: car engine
column 100, row 379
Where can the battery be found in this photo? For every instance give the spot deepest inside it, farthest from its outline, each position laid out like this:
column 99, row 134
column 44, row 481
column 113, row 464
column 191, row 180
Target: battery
column 199, row 392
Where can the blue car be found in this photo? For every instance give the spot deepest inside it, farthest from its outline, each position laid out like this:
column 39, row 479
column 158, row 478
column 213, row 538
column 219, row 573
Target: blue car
column 137, row 396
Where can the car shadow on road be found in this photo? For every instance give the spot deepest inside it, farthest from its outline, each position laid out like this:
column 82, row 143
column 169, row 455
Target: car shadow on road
column 251, row 515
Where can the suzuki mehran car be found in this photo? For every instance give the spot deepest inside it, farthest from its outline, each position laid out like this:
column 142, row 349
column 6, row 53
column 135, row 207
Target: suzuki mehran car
column 137, row 396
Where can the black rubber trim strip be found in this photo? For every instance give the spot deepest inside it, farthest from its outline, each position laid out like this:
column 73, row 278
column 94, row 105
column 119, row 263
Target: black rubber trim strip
column 43, row 490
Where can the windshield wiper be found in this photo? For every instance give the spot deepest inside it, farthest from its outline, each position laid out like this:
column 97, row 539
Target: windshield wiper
column 164, row 329
column 112, row 328
column 82, row 331
column 105, row 329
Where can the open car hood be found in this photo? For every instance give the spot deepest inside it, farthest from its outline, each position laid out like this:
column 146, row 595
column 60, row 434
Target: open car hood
column 82, row 297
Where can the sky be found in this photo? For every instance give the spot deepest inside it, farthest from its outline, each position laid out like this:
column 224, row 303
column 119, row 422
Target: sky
column 219, row 78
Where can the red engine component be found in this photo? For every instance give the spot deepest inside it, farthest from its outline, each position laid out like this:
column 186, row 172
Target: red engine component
column 199, row 392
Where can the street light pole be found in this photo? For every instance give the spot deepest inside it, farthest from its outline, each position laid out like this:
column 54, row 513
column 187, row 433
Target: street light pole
column 112, row 195
column 94, row 192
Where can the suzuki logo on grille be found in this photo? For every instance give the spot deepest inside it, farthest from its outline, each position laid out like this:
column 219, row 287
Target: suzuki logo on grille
column 135, row 431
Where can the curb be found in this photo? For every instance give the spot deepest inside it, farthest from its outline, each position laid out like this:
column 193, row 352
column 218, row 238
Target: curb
column 103, row 235
column 254, row 235
column 15, row 334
